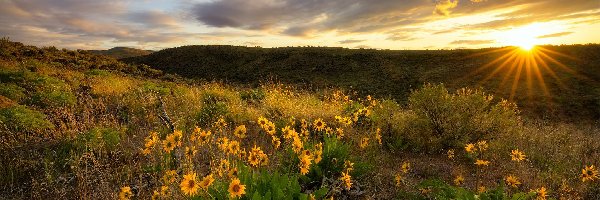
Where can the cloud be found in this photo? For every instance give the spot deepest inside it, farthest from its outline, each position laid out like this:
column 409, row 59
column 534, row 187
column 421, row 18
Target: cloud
column 554, row 35
column 154, row 18
column 362, row 47
column 472, row 42
column 75, row 23
column 403, row 36
column 301, row 17
column 443, row 7
column 349, row 41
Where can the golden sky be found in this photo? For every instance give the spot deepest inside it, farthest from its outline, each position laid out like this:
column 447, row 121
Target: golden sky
column 381, row 24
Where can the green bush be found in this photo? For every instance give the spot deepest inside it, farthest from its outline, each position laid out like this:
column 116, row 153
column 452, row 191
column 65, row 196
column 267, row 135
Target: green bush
column 445, row 120
column 20, row 118
column 97, row 72
column 266, row 185
column 253, row 95
column 44, row 91
column 98, row 138
column 214, row 106
column 12, row 91
column 441, row 190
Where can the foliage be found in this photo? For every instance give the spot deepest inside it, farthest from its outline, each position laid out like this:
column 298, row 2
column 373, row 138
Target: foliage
column 12, row 91
column 445, row 120
column 268, row 185
column 98, row 139
column 437, row 189
column 21, row 118
column 253, row 95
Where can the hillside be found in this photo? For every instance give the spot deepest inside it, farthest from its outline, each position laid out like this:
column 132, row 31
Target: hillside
column 573, row 90
column 121, row 52
column 74, row 125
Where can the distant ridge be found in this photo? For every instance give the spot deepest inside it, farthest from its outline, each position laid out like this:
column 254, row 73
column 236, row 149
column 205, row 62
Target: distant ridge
column 122, row 52
column 394, row 73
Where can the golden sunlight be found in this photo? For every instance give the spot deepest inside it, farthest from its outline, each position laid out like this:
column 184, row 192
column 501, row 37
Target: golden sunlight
column 526, row 62
column 523, row 37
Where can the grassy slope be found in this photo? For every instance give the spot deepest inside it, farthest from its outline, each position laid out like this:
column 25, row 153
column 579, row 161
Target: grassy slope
column 69, row 160
column 395, row 73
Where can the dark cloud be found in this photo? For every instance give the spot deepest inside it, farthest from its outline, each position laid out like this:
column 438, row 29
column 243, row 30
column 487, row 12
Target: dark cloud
column 78, row 23
column 555, row 35
column 75, row 23
column 531, row 11
column 350, row 41
column 154, row 19
column 301, row 17
column 472, row 42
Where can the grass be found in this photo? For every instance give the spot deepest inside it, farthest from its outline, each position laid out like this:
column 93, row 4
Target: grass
column 112, row 138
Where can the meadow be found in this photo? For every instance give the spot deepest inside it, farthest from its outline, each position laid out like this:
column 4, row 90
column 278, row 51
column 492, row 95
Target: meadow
column 75, row 125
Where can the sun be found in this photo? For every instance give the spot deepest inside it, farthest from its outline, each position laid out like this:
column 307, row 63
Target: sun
column 525, row 37
column 527, row 46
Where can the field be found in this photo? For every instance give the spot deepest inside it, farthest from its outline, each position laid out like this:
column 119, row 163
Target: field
column 221, row 122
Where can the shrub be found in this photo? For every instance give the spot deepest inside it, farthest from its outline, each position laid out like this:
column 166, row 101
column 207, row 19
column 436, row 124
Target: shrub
column 445, row 120
column 440, row 190
column 98, row 138
column 12, row 91
column 266, row 185
column 20, row 118
column 154, row 87
column 253, row 95
column 45, row 91
column 213, row 108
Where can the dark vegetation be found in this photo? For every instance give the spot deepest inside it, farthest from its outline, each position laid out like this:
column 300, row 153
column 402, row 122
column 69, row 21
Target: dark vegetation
column 574, row 96
column 121, row 52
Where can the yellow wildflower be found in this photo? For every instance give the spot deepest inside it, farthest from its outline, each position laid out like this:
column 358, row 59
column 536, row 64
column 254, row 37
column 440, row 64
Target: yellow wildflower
column 188, row 185
column 319, row 124
column 207, row 181
column 169, row 143
column 304, row 164
column 236, row 189
column 125, row 193
column 512, row 181
column 170, row 177
column 405, row 167
column 481, row 189
column 482, row 162
column 459, row 180
column 398, row 179
column 517, row 155
column 542, row 193
column 240, row 131
column 470, row 148
column 347, row 180
column 450, row 154
column 364, row 142
column 482, row 145
column 589, row 173
column 190, row 152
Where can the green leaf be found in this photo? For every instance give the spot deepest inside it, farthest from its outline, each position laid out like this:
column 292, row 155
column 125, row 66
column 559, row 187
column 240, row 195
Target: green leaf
column 256, row 196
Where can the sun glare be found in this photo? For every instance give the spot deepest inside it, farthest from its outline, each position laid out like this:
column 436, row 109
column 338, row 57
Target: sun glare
column 527, row 37
column 527, row 46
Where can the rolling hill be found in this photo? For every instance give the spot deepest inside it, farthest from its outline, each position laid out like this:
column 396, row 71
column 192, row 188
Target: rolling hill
column 571, row 73
column 122, row 52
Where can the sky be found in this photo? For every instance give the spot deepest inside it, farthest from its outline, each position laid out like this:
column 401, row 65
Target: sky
column 379, row 24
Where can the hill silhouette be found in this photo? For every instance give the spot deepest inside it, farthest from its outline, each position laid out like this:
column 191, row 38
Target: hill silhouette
column 574, row 92
column 122, row 52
